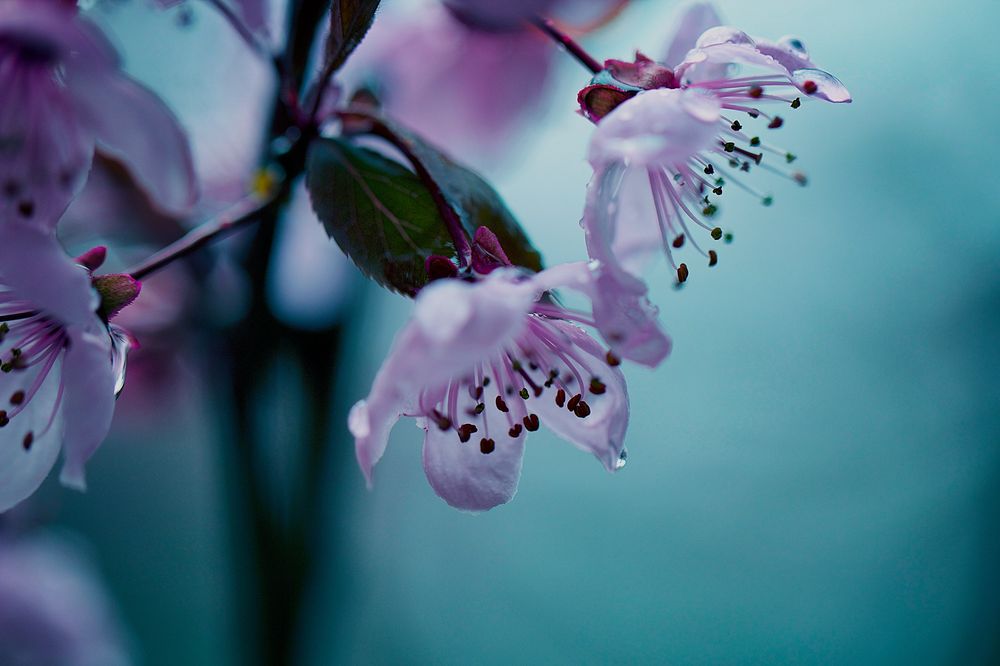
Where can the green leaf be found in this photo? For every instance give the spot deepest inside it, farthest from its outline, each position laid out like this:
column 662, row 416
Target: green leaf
column 474, row 200
column 378, row 211
column 349, row 21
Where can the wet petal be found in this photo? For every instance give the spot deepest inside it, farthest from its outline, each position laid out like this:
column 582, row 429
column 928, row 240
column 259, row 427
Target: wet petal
column 475, row 475
column 656, row 127
column 602, row 431
column 134, row 126
column 817, row 83
column 789, row 51
column 88, row 376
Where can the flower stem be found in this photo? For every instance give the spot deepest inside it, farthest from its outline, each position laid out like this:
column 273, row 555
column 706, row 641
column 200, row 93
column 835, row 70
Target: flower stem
column 240, row 214
column 549, row 28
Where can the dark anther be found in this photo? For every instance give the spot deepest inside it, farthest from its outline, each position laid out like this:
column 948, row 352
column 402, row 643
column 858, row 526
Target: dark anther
column 709, row 170
column 679, row 241
column 753, row 113
column 745, row 167
column 573, row 402
column 682, row 273
column 465, row 432
column 4, row 419
column 736, row 126
column 487, row 445
column 800, row 178
column 612, row 359
column 524, row 393
column 767, row 200
column 516, row 365
column 17, row 397
column 479, row 392
column 775, row 123
column 501, row 405
column 486, row 381
column 531, row 422
column 480, row 408
column 789, row 158
column 582, row 410
column 716, row 233
column 509, row 390
column 755, row 141
column 728, row 238
column 597, row 387
column 809, row 87
column 713, row 258
column 756, row 92
column 560, row 397
column 729, row 146
column 717, row 191
column 533, row 366
column 26, row 208
column 515, row 430
column 29, row 439
column 441, row 420
column 709, row 210
column 796, row 103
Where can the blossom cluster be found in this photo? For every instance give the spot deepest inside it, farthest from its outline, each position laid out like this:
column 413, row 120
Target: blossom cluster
column 492, row 351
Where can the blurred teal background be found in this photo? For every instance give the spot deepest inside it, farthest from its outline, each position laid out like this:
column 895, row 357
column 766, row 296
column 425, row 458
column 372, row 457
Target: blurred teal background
column 813, row 475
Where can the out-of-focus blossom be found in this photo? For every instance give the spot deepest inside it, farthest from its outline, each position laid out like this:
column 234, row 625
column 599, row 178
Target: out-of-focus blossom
column 53, row 609
column 483, row 363
column 60, row 363
column 670, row 136
column 499, row 14
column 252, row 13
column 465, row 89
column 64, row 92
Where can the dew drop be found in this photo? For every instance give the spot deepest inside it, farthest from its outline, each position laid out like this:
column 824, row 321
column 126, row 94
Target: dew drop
column 622, row 459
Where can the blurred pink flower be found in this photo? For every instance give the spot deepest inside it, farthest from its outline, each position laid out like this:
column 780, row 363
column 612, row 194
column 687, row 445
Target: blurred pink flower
column 481, row 364
column 465, row 89
column 64, row 92
column 668, row 136
column 53, row 608
column 60, row 364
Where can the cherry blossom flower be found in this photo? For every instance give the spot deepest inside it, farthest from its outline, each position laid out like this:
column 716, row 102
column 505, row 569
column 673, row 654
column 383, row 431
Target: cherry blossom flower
column 64, row 93
column 465, row 88
column 53, row 608
column 60, row 363
column 483, row 363
column 676, row 137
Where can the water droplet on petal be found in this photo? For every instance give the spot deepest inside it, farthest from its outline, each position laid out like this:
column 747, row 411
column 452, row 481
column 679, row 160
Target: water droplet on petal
column 121, row 343
column 622, row 459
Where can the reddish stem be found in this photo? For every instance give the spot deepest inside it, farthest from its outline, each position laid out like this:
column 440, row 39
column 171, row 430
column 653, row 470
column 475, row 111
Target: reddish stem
column 549, row 28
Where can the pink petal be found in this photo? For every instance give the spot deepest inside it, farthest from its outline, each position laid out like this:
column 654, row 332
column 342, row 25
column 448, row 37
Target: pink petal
column 88, row 377
column 465, row 477
column 817, row 83
column 656, row 127
column 695, row 19
column 136, row 128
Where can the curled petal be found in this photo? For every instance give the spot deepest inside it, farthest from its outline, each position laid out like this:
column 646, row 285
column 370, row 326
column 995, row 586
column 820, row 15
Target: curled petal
column 821, row 84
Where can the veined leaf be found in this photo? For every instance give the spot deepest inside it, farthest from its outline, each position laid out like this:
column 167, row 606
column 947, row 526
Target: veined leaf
column 349, row 21
column 379, row 213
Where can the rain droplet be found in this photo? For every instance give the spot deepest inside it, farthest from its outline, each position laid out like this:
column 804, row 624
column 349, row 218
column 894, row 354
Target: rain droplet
column 622, row 459
column 121, row 343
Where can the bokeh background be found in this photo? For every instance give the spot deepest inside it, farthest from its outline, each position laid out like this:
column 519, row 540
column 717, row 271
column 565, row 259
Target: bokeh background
column 813, row 474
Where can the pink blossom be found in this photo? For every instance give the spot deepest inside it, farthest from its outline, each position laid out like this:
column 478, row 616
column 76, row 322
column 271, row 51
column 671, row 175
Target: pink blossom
column 60, row 363
column 64, row 92
column 483, row 363
column 465, row 89
column 53, row 608
column 670, row 139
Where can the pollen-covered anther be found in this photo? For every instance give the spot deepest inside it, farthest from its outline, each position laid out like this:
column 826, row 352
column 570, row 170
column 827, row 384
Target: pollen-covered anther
column 487, row 445
column 682, row 273
column 531, row 422
column 612, row 360
column 515, row 430
column 582, row 410
column 796, row 103
column 678, row 242
column 716, row 233
column 502, row 405
column 573, row 402
column 736, row 126
column 524, row 393
column 560, row 398
column 713, row 257
column 465, row 432
column 597, row 387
